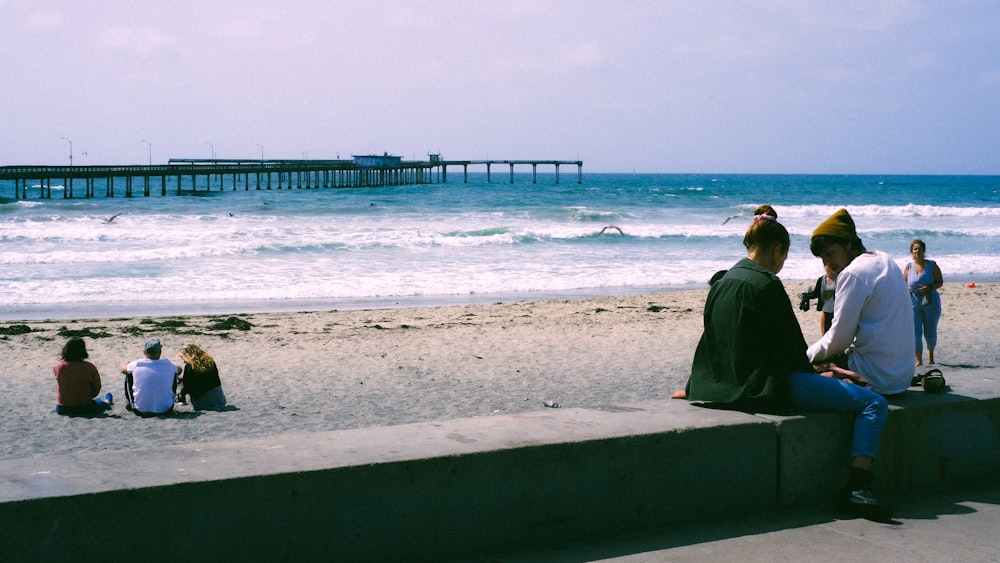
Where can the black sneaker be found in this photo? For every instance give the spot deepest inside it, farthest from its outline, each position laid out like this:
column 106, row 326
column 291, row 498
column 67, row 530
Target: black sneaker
column 866, row 505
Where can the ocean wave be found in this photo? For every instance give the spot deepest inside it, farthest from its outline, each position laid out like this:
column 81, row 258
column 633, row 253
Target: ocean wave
column 487, row 232
column 278, row 248
column 586, row 214
column 351, row 277
column 116, row 257
column 463, row 239
column 15, row 205
column 884, row 211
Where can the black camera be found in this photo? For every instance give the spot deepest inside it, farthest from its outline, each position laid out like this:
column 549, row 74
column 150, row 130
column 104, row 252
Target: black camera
column 804, row 298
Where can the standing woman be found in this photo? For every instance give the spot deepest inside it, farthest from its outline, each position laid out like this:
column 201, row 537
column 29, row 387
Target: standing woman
column 78, row 382
column 924, row 278
column 752, row 357
column 200, row 380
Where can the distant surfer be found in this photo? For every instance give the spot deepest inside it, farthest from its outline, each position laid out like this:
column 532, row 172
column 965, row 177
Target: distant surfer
column 611, row 227
column 111, row 219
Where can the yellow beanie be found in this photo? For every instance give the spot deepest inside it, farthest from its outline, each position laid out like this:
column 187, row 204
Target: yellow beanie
column 839, row 226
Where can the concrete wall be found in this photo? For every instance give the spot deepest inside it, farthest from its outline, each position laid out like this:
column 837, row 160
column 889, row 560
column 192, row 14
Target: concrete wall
column 442, row 490
column 929, row 440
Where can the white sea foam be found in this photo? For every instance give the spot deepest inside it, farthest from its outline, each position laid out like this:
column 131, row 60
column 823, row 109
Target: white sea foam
column 349, row 245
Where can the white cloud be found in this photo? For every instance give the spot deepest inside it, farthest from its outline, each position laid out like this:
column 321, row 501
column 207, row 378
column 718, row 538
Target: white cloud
column 926, row 62
column 848, row 16
column 43, row 21
column 835, row 74
column 239, row 28
column 990, row 78
column 529, row 8
column 407, row 17
column 248, row 23
column 143, row 41
column 582, row 55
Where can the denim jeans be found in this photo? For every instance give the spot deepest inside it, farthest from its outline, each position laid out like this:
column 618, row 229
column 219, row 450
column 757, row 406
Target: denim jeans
column 812, row 391
column 212, row 400
column 96, row 406
column 925, row 321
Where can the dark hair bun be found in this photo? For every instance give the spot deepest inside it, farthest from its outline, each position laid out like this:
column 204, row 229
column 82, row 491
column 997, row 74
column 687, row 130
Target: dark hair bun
column 765, row 210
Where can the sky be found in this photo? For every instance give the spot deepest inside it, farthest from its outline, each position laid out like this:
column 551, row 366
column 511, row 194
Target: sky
column 707, row 86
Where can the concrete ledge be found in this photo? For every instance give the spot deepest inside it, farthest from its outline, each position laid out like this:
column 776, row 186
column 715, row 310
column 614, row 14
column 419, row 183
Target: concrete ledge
column 444, row 490
column 929, row 440
column 942, row 439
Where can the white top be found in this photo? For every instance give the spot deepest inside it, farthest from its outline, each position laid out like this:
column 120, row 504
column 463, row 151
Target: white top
column 828, row 295
column 873, row 323
column 153, row 384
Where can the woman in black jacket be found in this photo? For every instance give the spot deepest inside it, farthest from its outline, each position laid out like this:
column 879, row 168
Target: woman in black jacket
column 200, row 380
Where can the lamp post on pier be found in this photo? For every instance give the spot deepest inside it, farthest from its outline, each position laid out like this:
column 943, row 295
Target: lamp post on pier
column 213, row 163
column 70, row 150
column 261, row 151
column 150, row 145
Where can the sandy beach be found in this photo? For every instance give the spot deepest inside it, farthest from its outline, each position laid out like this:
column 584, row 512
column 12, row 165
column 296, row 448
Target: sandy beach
column 312, row 371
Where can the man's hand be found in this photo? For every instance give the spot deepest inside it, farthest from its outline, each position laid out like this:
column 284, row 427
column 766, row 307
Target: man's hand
column 841, row 373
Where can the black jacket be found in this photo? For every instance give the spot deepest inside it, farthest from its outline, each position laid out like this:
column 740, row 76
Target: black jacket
column 751, row 342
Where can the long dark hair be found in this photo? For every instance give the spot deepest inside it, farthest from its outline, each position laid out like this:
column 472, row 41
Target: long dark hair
column 765, row 231
column 75, row 350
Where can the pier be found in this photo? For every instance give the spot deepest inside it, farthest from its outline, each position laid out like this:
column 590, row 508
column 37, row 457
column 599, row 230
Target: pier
column 185, row 175
column 489, row 164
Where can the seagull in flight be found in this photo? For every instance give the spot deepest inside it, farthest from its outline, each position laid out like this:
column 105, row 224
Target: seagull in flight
column 731, row 217
column 612, row 227
column 111, row 219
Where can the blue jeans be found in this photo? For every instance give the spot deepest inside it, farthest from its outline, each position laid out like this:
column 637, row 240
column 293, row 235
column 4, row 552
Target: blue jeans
column 96, row 406
column 812, row 391
column 925, row 321
column 212, row 400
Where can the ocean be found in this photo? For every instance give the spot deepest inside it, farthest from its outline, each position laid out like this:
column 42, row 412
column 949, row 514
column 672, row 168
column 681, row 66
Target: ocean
column 449, row 243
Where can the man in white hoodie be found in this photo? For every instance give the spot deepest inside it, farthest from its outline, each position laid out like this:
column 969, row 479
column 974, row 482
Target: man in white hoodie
column 873, row 316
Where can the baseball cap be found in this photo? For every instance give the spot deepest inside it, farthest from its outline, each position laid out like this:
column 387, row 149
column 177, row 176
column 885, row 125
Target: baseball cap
column 151, row 345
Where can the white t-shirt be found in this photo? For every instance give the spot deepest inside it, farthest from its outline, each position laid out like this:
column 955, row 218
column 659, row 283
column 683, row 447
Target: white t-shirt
column 828, row 295
column 873, row 323
column 153, row 384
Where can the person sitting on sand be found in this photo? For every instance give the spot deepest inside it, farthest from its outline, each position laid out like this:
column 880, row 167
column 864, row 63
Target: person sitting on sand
column 200, row 380
column 752, row 357
column 150, row 382
column 78, row 382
